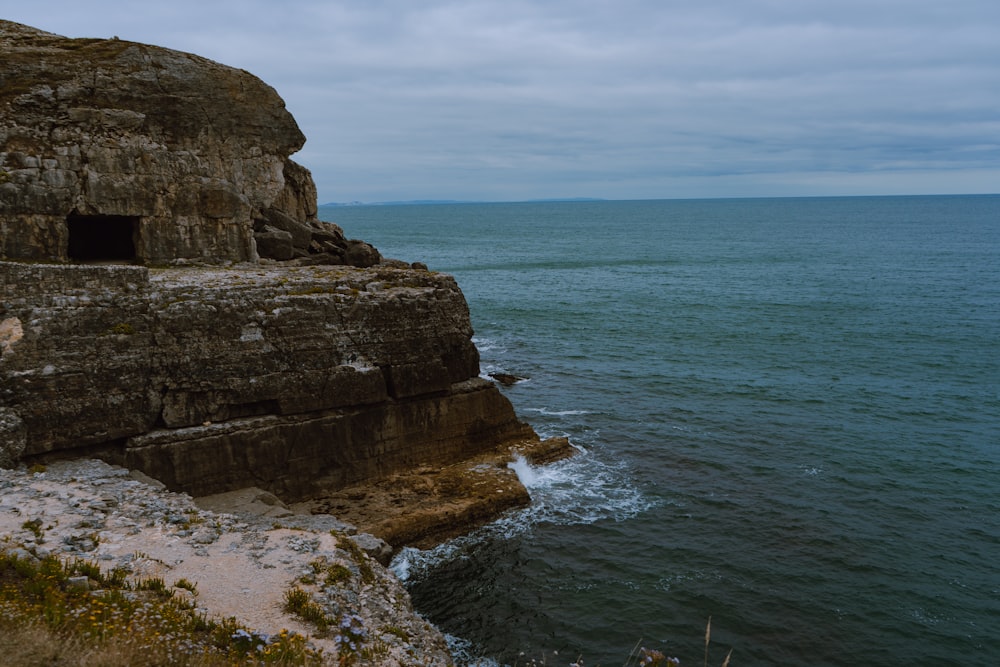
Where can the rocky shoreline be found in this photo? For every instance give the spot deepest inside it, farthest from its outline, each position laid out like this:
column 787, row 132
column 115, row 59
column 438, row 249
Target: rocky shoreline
column 241, row 564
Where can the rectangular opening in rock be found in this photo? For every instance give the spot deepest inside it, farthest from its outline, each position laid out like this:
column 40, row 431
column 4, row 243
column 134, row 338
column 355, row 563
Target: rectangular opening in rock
column 101, row 238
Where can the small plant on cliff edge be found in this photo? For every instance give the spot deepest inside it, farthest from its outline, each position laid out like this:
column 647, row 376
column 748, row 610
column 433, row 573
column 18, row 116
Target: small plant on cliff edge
column 300, row 603
column 35, row 527
column 187, row 585
column 357, row 555
column 648, row 657
column 351, row 634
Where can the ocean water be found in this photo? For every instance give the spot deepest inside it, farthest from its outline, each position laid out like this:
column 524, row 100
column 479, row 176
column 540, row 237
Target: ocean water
column 788, row 412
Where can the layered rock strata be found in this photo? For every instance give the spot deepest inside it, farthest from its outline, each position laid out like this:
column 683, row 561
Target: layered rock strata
column 289, row 379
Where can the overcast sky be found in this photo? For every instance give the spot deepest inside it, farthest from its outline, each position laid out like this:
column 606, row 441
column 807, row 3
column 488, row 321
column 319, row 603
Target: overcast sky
column 509, row 100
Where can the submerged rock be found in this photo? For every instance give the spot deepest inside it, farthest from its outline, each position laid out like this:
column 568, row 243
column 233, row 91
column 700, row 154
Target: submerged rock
column 507, row 379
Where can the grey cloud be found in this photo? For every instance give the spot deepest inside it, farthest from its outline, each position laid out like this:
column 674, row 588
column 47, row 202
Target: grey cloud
column 522, row 99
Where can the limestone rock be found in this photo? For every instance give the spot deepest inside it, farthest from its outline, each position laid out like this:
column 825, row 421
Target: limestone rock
column 361, row 254
column 240, row 569
column 274, row 243
column 507, row 379
column 375, row 547
column 298, row 198
column 426, row 505
column 112, row 150
column 168, row 151
column 294, row 380
column 299, row 233
column 13, row 438
column 328, row 371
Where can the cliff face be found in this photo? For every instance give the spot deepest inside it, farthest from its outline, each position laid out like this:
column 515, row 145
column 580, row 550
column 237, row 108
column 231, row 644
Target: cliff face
column 179, row 147
column 319, row 370
column 293, row 380
column 115, row 150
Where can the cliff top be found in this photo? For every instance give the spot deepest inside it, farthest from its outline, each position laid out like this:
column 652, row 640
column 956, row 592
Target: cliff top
column 233, row 567
column 180, row 96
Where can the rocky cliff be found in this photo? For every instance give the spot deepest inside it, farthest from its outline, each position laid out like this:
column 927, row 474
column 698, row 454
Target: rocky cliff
column 114, row 150
column 299, row 380
column 187, row 357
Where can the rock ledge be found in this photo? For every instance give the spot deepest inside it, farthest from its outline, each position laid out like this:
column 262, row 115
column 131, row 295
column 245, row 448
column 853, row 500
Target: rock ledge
column 87, row 509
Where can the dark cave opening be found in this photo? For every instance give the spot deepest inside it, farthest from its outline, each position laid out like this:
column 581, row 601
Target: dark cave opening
column 102, row 238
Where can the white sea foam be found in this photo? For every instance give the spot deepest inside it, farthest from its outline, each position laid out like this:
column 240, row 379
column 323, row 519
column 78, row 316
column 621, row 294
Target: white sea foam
column 487, row 345
column 464, row 651
column 524, row 471
column 579, row 490
column 558, row 413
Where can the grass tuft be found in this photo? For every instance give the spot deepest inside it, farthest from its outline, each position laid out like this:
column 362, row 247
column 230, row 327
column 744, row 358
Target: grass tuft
column 358, row 556
column 47, row 620
column 301, row 604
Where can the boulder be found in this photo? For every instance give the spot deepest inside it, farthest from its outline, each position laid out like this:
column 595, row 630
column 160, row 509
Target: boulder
column 361, row 254
column 300, row 232
column 274, row 243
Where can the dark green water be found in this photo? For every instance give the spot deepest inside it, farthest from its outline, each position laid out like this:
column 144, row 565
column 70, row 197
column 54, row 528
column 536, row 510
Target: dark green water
column 790, row 417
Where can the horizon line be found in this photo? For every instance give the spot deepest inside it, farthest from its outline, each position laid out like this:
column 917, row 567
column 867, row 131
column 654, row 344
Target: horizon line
column 445, row 202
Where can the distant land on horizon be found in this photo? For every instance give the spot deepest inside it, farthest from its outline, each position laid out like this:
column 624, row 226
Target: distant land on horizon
column 423, row 202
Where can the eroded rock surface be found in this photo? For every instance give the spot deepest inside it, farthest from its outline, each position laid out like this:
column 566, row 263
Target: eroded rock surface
column 115, row 150
column 427, row 505
column 290, row 379
column 240, row 568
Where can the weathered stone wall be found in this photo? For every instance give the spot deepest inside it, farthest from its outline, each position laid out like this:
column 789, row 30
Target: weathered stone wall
column 193, row 150
column 213, row 379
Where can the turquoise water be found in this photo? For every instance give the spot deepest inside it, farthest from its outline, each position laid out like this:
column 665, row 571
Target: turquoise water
column 789, row 411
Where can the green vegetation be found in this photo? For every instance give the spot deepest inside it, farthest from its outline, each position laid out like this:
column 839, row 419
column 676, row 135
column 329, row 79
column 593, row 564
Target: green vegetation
column 73, row 613
column 300, row 603
column 337, row 574
column 122, row 328
column 35, row 527
column 332, row 574
column 357, row 555
column 186, row 585
column 349, row 632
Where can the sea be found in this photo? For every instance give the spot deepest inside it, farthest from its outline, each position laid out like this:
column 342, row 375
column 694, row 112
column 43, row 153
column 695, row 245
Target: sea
column 787, row 413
